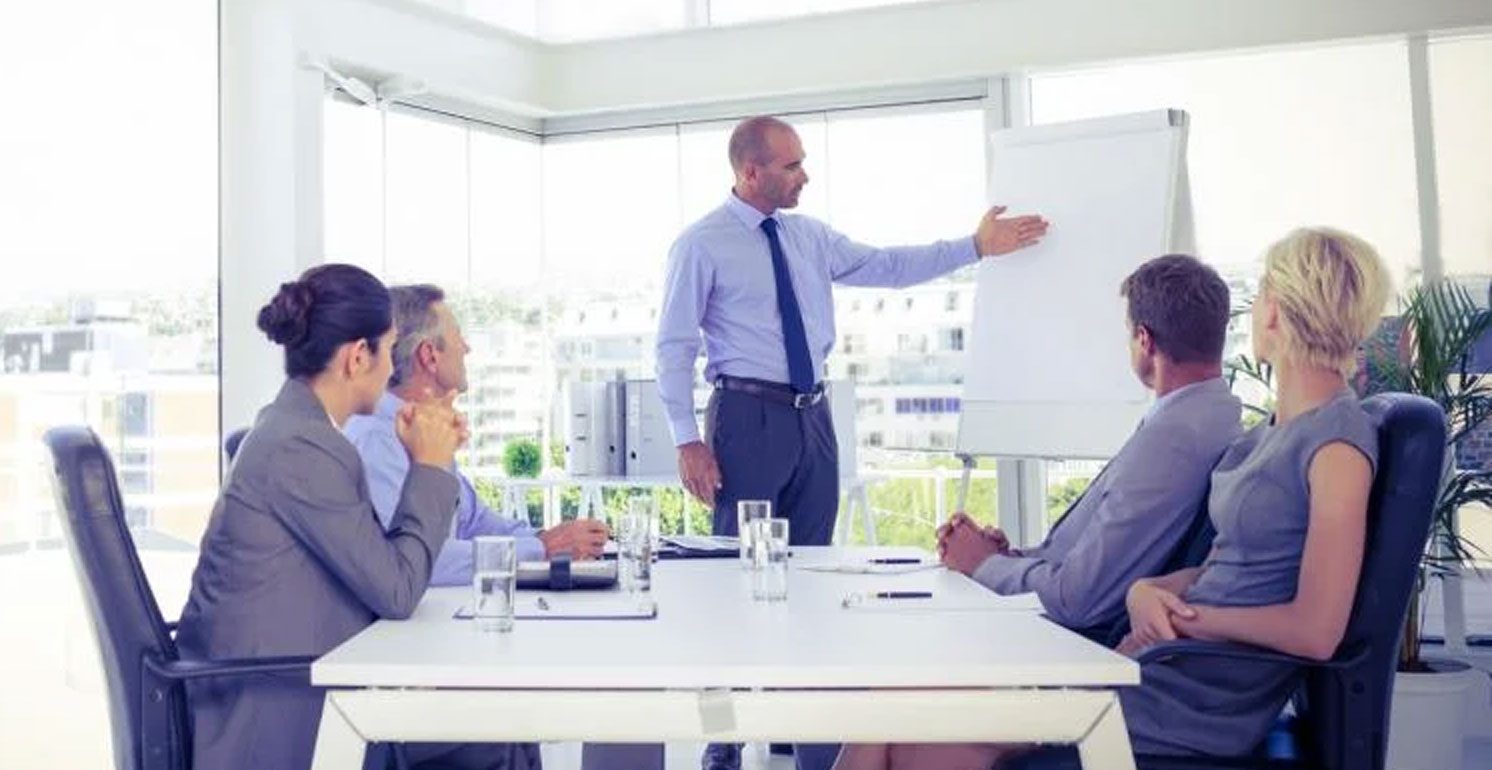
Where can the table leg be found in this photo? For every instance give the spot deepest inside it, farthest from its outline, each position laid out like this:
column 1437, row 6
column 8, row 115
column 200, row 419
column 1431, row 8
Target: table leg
column 846, row 515
column 863, row 495
column 339, row 746
column 604, row 756
column 1106, row 746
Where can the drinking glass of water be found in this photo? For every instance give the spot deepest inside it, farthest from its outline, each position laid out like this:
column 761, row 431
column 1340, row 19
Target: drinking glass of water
column 748, row 511
column 637, row 543
column 494, row 577
column 769, row 560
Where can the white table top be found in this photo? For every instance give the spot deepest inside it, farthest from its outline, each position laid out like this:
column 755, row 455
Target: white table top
column 710, row 634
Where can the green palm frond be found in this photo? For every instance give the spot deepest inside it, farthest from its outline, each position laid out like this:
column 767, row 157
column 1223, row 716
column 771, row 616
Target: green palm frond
column 1443, row 323
column 1449, row 550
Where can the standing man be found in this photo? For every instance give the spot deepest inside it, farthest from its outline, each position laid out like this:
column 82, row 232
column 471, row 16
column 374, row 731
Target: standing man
column 758, row 283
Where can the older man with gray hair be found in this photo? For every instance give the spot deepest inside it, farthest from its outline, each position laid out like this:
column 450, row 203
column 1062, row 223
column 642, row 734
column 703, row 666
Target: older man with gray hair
column 430, row 363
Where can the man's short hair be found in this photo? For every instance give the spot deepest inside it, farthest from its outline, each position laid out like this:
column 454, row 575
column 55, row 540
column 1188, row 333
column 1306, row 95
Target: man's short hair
column 414, row 314
column 748, row 142
column 1183, row 303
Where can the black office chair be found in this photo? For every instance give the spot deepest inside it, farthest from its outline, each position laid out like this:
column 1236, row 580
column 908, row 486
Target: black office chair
column 231, row 442
column 1343, row 704
column 148, row 707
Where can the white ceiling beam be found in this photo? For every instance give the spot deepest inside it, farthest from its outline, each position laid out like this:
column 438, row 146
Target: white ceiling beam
column 953, row 40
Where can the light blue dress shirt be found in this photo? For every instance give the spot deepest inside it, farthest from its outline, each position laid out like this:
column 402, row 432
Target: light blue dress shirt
column 720, row 282
column 387, row 463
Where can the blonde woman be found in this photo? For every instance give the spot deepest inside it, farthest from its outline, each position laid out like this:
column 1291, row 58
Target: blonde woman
column 1289, row 501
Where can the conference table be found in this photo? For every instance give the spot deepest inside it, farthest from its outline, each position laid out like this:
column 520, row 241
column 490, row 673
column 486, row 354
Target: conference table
column 716, row 666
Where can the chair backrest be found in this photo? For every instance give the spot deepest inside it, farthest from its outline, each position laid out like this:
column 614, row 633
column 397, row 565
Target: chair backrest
column 124, row 615
column 231, row 442
column 1346, row 706
column 1195, row 545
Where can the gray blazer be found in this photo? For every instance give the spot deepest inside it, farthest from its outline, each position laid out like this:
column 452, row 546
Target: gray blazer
column 294, row 562
column 1131, row 519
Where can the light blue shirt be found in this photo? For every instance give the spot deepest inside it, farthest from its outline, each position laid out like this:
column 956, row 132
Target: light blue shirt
column 1176, row 395
column 720, row 282
column 387, row 463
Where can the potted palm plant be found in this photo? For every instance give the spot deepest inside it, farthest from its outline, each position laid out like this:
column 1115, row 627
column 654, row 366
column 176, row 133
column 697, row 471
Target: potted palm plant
column 1427, row 351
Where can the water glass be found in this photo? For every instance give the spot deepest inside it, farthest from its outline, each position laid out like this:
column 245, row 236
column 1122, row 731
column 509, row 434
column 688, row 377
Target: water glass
column 769, row 560
column 493, row 579
column 637, row 536
column 748, row 511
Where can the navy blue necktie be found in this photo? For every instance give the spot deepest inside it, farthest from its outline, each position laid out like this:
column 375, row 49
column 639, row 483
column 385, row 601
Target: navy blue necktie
column 799, row 361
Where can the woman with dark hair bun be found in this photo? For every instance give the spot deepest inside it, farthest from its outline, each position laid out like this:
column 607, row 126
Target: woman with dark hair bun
column 294, row 560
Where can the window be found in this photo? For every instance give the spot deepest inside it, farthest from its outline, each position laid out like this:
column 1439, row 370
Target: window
column 116, row 324
column 1461, row 99
column 1066, row 481
column 561, row 20
column 610, row 212
column 108, row 215
column 1277, row 140
column 558, row 247
column 572, row 20
column 417, row 199
column 425, row 225
column 738, row 11
column 352, row 185
column 136, row 415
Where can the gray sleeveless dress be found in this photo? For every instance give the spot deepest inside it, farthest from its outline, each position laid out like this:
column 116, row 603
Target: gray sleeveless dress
column 1260, row 505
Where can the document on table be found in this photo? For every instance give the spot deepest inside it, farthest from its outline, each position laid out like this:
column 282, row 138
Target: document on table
column 868, row 602
column 870, row 568
column 569, row 605
column 703, row 543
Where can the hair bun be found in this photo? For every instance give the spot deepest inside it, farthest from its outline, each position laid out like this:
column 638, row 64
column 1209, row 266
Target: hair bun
column 287, row 317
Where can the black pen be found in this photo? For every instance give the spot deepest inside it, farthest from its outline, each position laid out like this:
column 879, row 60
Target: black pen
column 895, row 560
column 903, row 594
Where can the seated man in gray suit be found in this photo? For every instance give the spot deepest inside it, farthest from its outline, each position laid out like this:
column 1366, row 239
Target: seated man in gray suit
column 1134, row 514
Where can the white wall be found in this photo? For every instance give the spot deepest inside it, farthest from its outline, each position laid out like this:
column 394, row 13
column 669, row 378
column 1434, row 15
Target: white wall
column 269, row 190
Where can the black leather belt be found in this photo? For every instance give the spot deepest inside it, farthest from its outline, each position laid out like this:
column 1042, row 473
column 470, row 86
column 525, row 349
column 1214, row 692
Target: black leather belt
column 772, row 391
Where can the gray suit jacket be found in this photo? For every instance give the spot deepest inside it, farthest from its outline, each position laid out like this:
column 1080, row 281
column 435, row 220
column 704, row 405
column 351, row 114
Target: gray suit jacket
column 1131, row 519
column 294, row 562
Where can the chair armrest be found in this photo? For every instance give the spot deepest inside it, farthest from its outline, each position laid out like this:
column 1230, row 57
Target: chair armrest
column 184, row 670
column 1236, row 651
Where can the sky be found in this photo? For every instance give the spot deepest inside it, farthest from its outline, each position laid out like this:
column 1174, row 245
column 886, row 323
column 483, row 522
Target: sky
column 108, row 146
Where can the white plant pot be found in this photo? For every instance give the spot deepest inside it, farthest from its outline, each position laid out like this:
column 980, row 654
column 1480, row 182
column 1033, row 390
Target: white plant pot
column 1427, row 726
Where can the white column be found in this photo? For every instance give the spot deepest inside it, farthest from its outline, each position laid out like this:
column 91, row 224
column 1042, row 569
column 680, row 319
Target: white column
column 269, row 117
column 1453, row 596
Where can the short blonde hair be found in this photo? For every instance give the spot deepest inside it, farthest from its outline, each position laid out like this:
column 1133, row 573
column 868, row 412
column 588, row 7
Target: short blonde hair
column 1331, row 287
